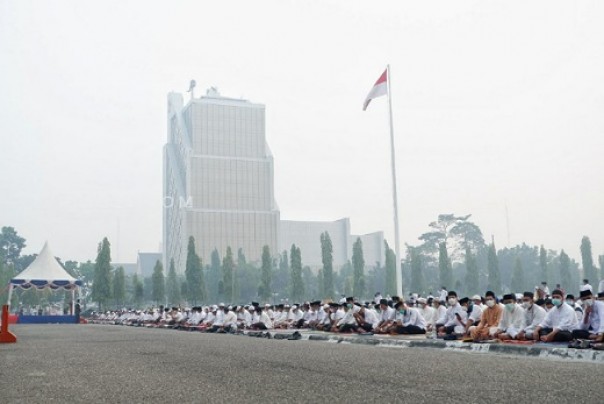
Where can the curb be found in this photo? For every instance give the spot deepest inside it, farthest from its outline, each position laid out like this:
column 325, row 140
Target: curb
column 556, row 353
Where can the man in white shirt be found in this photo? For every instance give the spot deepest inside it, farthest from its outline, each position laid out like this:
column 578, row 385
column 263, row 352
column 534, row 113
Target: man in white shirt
column 473, row 311
column 408, row 320
column 295, row 317
column 559, row 322
column 230, row 320
column 387, row 316
column 586, row 286
column 443, row 294
column 592, row 322
column 600, row 287
column 264, row 322
column 348, row 323
column 428, row 313
column 512, row 320
column 533, row 316
column 367, row 320
column 455, row 317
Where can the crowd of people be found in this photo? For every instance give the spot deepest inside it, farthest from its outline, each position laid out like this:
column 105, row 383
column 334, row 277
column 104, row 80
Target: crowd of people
column 531, row 316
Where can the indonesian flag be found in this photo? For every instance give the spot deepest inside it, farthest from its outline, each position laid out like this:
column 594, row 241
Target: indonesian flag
column 379, row 88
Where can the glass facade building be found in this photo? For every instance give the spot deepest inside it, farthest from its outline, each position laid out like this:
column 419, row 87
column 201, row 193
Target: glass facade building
column 218, row 179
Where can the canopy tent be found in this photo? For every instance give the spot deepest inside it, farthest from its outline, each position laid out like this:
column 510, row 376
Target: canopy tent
column 45, row 272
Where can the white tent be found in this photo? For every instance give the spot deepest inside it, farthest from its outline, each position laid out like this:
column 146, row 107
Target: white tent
column 45, row 272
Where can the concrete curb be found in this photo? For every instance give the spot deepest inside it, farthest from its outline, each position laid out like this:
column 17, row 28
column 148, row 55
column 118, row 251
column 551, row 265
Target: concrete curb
column 557, row 353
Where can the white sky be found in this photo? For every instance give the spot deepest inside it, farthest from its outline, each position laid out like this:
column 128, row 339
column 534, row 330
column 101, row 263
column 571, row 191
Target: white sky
column 493, row 102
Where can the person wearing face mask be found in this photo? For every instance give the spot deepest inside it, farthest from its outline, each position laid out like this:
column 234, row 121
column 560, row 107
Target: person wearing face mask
column 512, row 319
column 559, row 322
column 592, row 322
column 387, row 315
column 489, row 321
column 474, row 314
column 455, row 317
column 533, row 316
column 408, row 320
column 570, row 300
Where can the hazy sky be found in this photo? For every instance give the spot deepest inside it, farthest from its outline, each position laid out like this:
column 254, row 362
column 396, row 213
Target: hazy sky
column 494, row 103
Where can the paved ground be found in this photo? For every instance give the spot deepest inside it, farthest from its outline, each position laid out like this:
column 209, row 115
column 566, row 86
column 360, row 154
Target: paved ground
column 94, row 363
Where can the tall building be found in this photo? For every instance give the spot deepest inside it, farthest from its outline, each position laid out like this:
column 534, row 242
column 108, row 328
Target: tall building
column 218, row 179
column 218, row 188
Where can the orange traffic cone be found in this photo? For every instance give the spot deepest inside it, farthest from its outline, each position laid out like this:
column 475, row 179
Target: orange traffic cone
column 5, row 335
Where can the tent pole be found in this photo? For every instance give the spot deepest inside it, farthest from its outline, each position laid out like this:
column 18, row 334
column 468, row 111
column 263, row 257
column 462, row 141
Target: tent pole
column 10, row 294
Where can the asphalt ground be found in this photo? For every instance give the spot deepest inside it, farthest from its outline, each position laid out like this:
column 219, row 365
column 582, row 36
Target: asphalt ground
column 102, row 363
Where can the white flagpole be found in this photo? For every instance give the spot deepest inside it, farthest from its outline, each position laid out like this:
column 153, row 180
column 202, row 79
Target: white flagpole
column 397, row 248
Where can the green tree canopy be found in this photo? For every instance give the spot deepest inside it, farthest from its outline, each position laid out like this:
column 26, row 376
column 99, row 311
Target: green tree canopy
column 101, row 287
column 327, row 259
column 172, row 285
column 119, row 286
column 358, row 266
column 297, row 285
column 264, row 290
column 518, row 277
column 228, row 266
column 194, row 275
column 589, row 271
column 158, row 283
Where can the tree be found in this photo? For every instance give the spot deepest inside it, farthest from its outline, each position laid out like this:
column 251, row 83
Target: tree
column 228, row 265
column 417, row 276
column 327, row 258
column 542, row 265
column 494, row 281
column 358, row 266
column 158, row 283
column 601, row 262
column 138, row 290
column 11, row 245
column 390, row 267
column 119, row 286
column 101, row 287
column 565, row 276
column 214, row 276
column 518, row 277
column 589, row 271
column 172, row 286
column 194, row 275
column 445, row 269
column 264, row 290
column 296, row 278
column 458, row 229
column 471, row 280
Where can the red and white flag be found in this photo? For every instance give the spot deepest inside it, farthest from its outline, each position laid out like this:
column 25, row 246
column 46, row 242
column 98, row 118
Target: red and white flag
column 379, row 88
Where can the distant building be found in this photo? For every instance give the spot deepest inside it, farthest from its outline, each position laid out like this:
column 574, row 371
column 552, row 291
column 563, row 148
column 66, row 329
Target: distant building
column 219, row 188
column 218, row 179
column 129, row 268
column 145, row 263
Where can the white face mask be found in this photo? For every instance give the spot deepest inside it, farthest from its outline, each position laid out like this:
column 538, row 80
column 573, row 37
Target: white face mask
column 588, row 302
column 452, row 301
column 490, row 303
column 526, row 305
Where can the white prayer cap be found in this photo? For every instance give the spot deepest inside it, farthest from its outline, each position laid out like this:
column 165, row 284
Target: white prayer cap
column 476, row 297
column 214, row 307
column 343, row 300
column 221, row 305
column 267, row 305
column 326, row 306
column 294, row 307
column 230, row 307
column 421, row 300
column 356, row 309
column 286, row 306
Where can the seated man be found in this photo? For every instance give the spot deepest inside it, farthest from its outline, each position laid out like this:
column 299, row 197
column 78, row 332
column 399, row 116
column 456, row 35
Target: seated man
column 264, row 322
column 474, row 312
column 325, row 320
column 349, row 322
column 408, row 320
column 427, row 311
column 455, row 318
column 367, row 320
column 230, row 320
column 533, row 316
column 387, row 315
column 512, row 320
column 559, row 322
column 489, row 320
column 592, row 322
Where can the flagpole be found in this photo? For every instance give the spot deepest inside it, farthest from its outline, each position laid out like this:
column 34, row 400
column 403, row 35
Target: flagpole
column 397, row 248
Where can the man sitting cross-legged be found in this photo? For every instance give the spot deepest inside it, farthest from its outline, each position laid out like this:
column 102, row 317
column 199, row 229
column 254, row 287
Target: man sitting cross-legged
column 512, row 320
column 408, row 320
column 559, row 322
column 489, row 321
